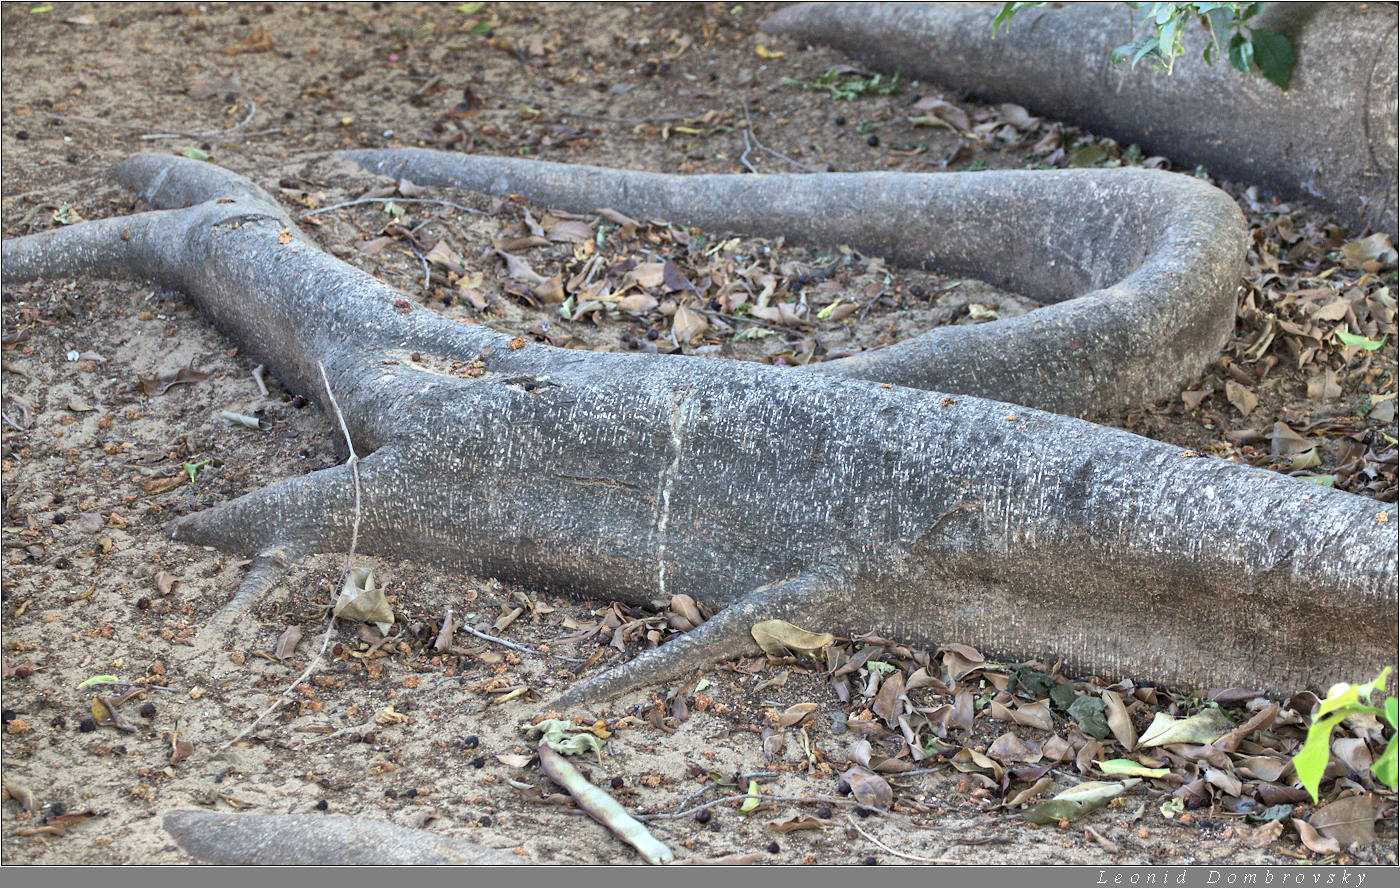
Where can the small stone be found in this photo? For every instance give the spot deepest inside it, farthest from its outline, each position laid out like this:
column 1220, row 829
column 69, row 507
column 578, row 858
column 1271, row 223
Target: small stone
column 147, row 710
column 485, row 820
column 87, row 726
column 322, row 805
column 843, row 788
column 479, row 762
column 872, row 140
column 616, row 783
column 824, row 812
column 143, row 603
column 703, row 816
column 471, row 741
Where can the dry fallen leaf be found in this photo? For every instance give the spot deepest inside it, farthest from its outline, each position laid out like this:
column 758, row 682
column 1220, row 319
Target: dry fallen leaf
column 1314, row 841
column 287, row 643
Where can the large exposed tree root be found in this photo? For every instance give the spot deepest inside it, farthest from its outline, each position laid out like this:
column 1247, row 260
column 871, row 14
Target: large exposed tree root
column 829, row 501
column 1142, row 267
column 1330, row 138
column 321, row 840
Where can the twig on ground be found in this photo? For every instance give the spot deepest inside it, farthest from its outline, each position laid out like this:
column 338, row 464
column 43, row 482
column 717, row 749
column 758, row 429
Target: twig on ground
column 603, row 807
column 748, row 130
column 369, row 200
column 252, row 109
column 799, row 800
column 258, row 372
column 914, row 857
column 569, row 112
column 354, row 463
column 13, row 423
column 515, row 647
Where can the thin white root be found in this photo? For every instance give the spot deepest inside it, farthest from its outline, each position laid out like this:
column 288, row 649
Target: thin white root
column 914, row 857
column 603, row 807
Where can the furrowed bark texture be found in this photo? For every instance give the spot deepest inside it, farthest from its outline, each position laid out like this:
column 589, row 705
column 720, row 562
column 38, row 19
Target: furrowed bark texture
column 1142, row 267
column 831, row 502
column 320, row 840
column 1330, row 138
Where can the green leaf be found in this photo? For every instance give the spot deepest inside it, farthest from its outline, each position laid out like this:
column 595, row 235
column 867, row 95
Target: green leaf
column 99, row 679
column 880, row 666
column 469, row 8
column 1241, row 54
column 1311, row 760
column 1360, row 341
column 753, row 800
column 480, row 28
column 1385, row 767
column 1320, row 480
column 566, row 738
column 196, row 154
column 1218, row 19
column 1073, row 804
column 1130, row 768
column 35, row 10
column 1006, row 12
column 1274, row 56
column 1390, row 713
column 192, row 468
column 393, row 209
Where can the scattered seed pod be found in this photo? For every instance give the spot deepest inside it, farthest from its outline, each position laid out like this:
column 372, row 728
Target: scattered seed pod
column 143, row 603
column 479, row 762
column 773, row 848
column 87, row 725
column 824, row 812
column 471, row 741
column 703, row 816
column 843, row 788
column 616, row 783
column 322, row 805
column 148, row 709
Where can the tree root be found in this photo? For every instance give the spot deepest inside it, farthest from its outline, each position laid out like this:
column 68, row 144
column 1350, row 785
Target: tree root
column 835, row 502
column 1142, row 284
column 1329, row 138
column 321, row 840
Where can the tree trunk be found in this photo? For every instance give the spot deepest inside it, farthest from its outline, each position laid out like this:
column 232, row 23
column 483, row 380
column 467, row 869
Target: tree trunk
column 835, row 503
column 1330, row 138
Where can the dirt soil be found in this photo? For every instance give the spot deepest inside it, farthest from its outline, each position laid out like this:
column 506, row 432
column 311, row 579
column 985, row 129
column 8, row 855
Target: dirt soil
column 97, row 459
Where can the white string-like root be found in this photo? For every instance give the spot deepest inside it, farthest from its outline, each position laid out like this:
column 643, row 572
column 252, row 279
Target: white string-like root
column 914, row 857
column 603, row 807
column 354, row 462
column 397, row 200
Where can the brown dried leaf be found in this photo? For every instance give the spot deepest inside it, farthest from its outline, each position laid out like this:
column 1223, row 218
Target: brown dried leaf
column 1010, row 748
column 1118, row 720
column 520, row 270
column 1315, row 842
column 1264, row 835
column 688, row 325
column 165, row 581
column 287, row 643
column 1030, row 792
column 1349, row 821
column 159, row 385
column 569, row 231
column 871, row 790
column 636, row 303
column 795, row 714
column 932, row 111
column 373, row 247
column 1242, row 398
column 886, row 704
column 796, row 822
column 779, row 638
column 649, row 275
column 442, row 254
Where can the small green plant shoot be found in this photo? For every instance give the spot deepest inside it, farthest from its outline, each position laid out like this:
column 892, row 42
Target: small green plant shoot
column 1246, row 48
column 1344, row 700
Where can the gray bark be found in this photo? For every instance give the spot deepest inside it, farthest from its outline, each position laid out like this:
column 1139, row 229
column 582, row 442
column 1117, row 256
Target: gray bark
column 1140, row 267
column 835, row 503
column 320, row 840
column 1331, row 138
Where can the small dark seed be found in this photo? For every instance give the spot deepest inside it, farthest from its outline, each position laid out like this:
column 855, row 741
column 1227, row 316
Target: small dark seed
column 63, row 563
column 299, row 402
column 58, row 809
column 703, row 815
column 6, row 716
column 287, row 115
column 870, row 861
column 58, row 722
column 485, row 820
column 142, row 603
column 60, row 518
column 87, row 726
column 872, row 140
column 615, row 783
column 863, row 812
column 147, row 710
column 23, row 672
column 338, row 650
column 840, row 121
column 206, row 147
column 322, row 805
column 22, row 135
column 479, row 762
column 390, row 794
column 843, row 788
column 824, row 812
column 367, row 737
column 243, row 20
column 772, row 847
column 471, row 741
column 410, row 793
